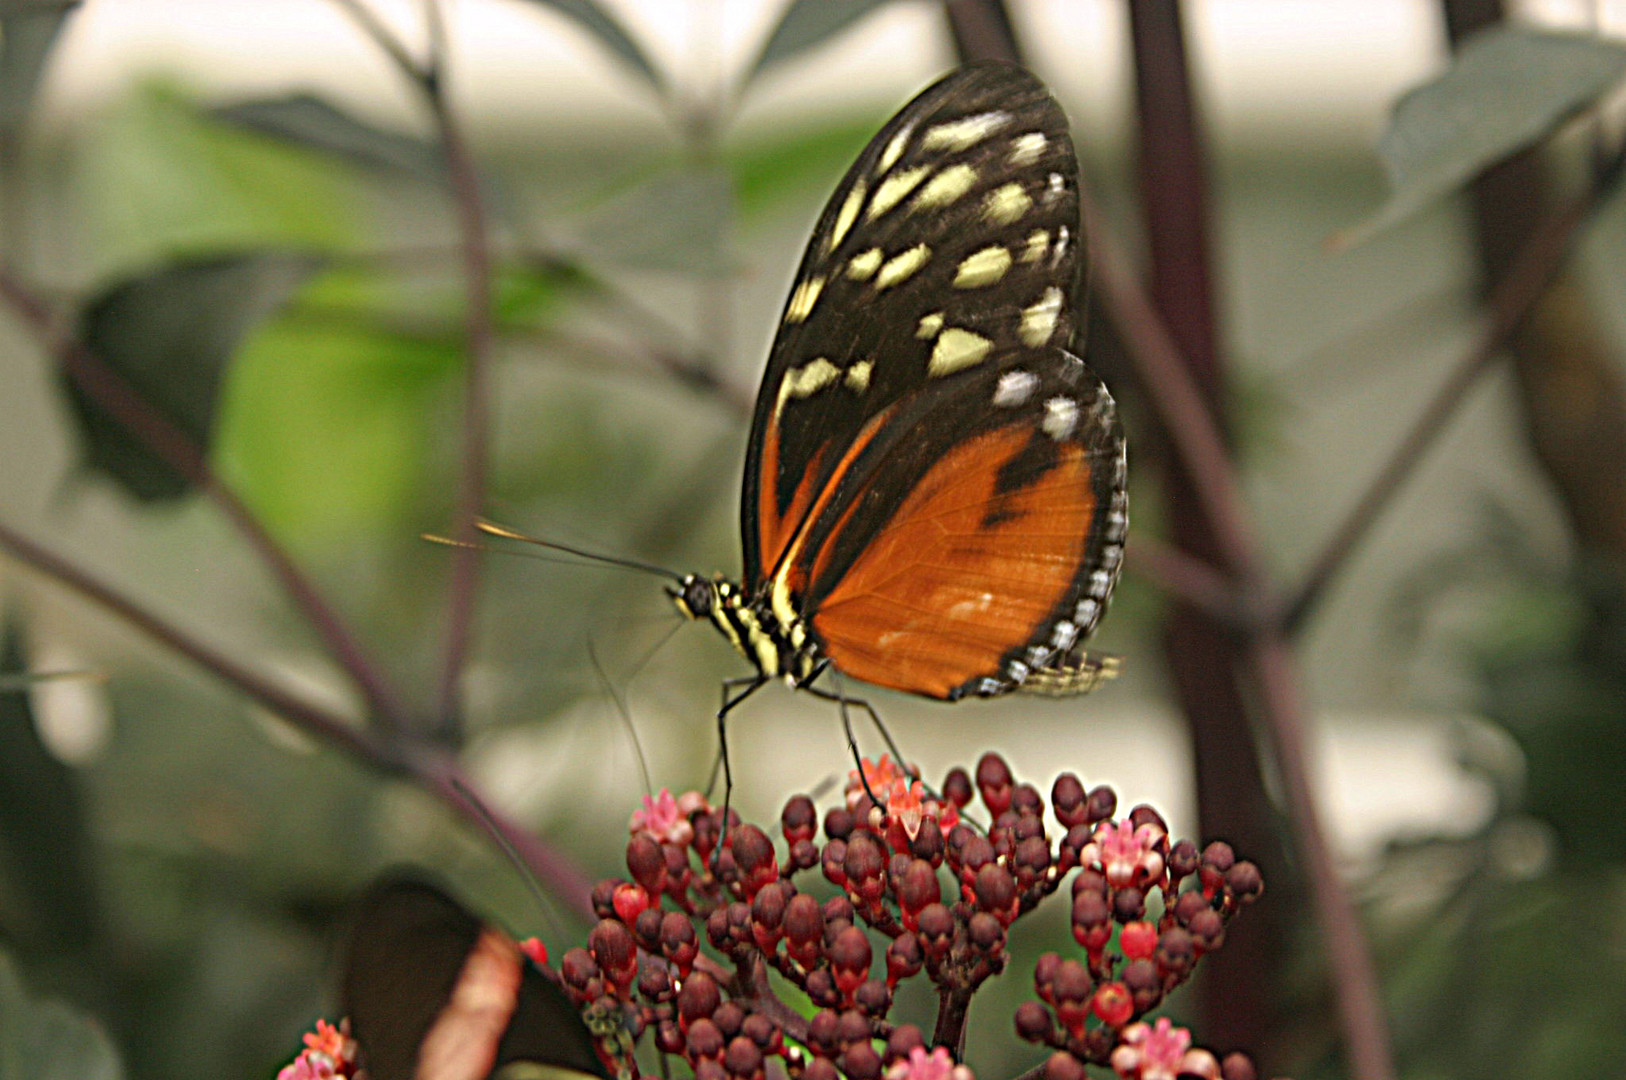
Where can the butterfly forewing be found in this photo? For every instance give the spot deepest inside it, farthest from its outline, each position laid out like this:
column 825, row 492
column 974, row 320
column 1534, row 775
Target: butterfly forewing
column 949, row 249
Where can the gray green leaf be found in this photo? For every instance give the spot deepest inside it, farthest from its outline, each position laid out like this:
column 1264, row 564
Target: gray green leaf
column 316, row 122
column 609, row 32
column 807, row 23
column 170, row 334
column 42, row 1039
column 1507, row 89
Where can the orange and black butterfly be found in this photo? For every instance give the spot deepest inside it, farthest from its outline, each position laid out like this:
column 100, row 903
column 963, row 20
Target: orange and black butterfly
column 934, row 485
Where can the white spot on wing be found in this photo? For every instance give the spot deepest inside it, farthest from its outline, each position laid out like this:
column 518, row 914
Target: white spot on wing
column 957, row 349
column 1060, row 250
column 982, row 268
column 847, row 215
column 1014, row 387
column 802, row 300
column 890, row 191
column 1039, row 319
column 862, row 267
column 947, row 186
column 899, row 267
column 929, row 326
column 1005, row 204
column 1025, row 149
column 1060, row 417
column 964, row 133
column 857, row 378
column 1038, row 242
column 1054, row 186
column 810, row 379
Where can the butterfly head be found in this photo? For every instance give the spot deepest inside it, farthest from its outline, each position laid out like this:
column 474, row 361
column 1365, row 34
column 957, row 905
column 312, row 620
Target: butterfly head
column 695, row 596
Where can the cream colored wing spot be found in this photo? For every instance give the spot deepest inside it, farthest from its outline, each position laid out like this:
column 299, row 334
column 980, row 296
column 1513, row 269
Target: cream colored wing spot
column 1039, row 319
column 857, row 377
column 894, row 150
column 1005, row 204
column 862, row 267
column 982, row 268
column 1038, row 243
column 1014, row 387
column 964, row 133
column 1059, row 251
column 802, row 300
column 891, row 191
column 808, row 380
column 944, row 188
column 1054, row 185
column 847, row 215
column 929, row 326
column 1025, row 149
column 956, row 350
column 899, row 267
column 1060, row 417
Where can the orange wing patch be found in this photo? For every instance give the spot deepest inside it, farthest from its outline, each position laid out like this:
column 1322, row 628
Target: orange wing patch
column 963, row 573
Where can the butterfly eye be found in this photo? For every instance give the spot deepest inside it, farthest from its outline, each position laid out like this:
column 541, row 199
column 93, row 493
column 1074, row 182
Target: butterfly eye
column 694, row 597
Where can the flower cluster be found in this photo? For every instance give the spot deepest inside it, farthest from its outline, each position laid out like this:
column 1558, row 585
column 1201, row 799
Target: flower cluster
column 329, row 1054
column 938, row 894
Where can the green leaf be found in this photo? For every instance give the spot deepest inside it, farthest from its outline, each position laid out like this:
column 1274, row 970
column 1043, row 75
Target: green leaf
column 805, row 162
column 27, row 34
column 610, row 33
column 312, row 121
column 1506, row 89
column 679, row 220
column 331, row 421
column 158, row 176
column 170, row 334
column 46, row 1040
column 807, row 23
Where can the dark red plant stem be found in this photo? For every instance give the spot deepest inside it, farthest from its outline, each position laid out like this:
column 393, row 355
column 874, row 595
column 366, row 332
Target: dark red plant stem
column 1236, row 989
column 1187, row 579
column 1530, row 273
column 312, row 718
column 434, row 770
column 114, row 396
column 982, row 30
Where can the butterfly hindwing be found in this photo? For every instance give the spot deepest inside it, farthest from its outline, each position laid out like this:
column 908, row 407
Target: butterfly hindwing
column 976, row 543
column 435, row 994
column 950, row 247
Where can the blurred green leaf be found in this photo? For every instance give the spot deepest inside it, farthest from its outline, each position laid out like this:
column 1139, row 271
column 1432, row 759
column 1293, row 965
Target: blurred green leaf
column 42, row 1039
column 679, row 220
column 807, row 23
column 316, row 122
column 159, row 176
column 28, row 31
column 610, row 33
column 770, row 170
column 330, row 422
column 1506, row 89
column 170, row 334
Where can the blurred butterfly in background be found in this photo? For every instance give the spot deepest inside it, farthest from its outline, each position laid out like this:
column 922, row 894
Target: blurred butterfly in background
column 433, row 993
column 934, row 484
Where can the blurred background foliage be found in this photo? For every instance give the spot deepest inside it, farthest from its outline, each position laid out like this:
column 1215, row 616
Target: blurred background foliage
column 278, row 271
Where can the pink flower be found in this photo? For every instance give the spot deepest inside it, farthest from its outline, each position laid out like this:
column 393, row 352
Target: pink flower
column 905, row 806
column 881, row 776
column 1126, row 855
column 1163, row 1052
column 311, row 1066
column 663, row 820
column 937, row 1064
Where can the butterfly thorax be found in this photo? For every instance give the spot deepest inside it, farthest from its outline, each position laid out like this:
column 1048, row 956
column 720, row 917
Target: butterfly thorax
column 776, row 646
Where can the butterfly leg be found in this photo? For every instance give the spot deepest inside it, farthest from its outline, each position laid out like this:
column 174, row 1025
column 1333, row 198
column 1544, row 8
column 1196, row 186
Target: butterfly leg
column 735, row 691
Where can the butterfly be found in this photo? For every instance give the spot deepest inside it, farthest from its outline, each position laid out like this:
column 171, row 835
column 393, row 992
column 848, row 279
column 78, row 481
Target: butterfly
column 433, row 993
column 934, row 494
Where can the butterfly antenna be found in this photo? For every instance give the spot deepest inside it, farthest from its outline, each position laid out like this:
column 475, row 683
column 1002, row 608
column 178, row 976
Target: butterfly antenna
column 488, row 821
column 491, row 528
column 626, row 715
